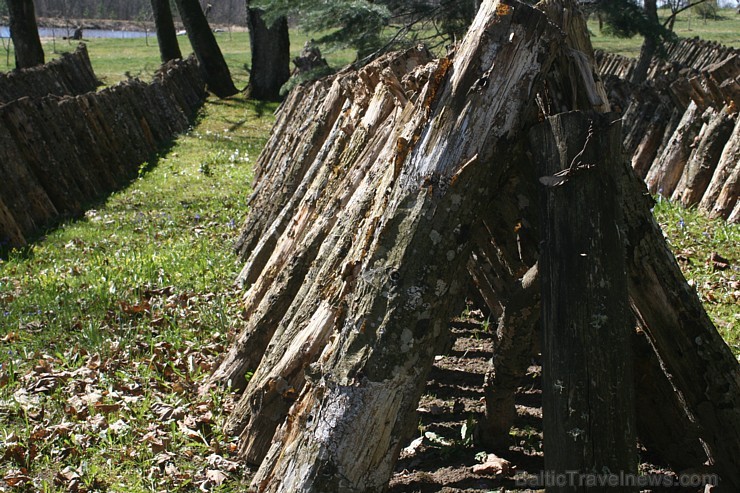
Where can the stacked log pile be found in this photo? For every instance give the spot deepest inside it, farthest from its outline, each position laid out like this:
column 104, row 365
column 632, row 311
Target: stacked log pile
column 57, row 154
column 681, row 125
column 380, row 195
column 69, row 75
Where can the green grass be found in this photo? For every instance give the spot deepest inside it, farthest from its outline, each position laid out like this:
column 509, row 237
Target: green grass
column 123, row 313
column 726, row 30
column 117, row 59
column 110, row 323
column 696, row 241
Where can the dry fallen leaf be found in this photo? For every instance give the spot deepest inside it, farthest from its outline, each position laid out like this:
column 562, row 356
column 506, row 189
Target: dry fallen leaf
column 494, row 465
column 16, row 478
column 216, row 477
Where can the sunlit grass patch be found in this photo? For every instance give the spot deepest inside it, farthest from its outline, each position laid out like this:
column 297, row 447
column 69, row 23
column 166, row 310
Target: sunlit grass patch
column 109, row 323
column 708, row 252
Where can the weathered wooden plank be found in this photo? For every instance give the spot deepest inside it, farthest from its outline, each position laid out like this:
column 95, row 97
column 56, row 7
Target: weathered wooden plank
column 588, row 393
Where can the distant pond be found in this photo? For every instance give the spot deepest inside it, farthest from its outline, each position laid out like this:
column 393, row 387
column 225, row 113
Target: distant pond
column 59, row 32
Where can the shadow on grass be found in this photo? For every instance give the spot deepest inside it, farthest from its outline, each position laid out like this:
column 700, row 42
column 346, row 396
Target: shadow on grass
column 26, row 252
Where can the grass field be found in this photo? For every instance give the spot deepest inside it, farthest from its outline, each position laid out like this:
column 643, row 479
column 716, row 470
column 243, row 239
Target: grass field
column 109, row 323
column 725, row 29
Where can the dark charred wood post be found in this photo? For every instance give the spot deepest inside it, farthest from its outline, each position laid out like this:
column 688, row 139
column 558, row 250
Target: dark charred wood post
column 25, row 34
column 588, row 394
column 169, row 48
column 215, row 70
column 270, row 46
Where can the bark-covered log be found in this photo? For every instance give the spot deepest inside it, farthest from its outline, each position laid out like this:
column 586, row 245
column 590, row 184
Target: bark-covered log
column 704, row 158
column 663, row 426
column 169, row 48
column 588, row 393
column 69, row 75
column 364, row 221
column 59, row 154
column 382, row 311
column 724, row 187
column 206, row 49
column 25, row 34
column 514, row 348
column 270, row 47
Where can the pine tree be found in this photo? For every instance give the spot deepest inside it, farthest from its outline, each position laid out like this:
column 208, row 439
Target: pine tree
column 372, row 27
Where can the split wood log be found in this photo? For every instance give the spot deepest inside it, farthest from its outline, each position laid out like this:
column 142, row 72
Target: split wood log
column 570, row 84
column 314, row 174
column 723, row 190
column 382, row 310
column 735, row 214
column 663, row 427
column 698, row 361
column 704, row 158
column 513, row 352
column 666, row 173
column 350, row 283
column 643, row 155
column 69, row 75
column 59, row 154
column 588, row 393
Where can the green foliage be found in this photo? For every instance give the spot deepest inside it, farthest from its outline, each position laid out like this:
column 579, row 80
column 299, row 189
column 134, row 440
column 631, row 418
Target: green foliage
column 368, row 26
column 312, row 75
column 356, row 23
column 707, row 9
column 725, row 30
column 627, row 18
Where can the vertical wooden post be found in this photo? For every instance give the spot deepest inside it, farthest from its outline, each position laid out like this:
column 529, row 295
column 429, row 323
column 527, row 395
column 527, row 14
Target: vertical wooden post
column 588, row 395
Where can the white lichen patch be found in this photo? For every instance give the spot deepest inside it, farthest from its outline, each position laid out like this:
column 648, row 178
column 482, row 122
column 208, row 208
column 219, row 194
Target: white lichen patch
column 450, row 255
column 413, row 297
column 440, row 288
column 435, row 237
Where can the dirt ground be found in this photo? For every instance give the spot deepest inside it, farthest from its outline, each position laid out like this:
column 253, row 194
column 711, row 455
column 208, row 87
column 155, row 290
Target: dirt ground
column 445, row 451
column 442, row 457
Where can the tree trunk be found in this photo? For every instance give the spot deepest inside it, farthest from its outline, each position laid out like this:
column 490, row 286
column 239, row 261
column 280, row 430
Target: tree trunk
column 270, row 48
column 704, row 158
column 729, row 164
column 649, row 45
column 215, row 70
column 588, row 393
column 169, row 49
column 25, row 34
